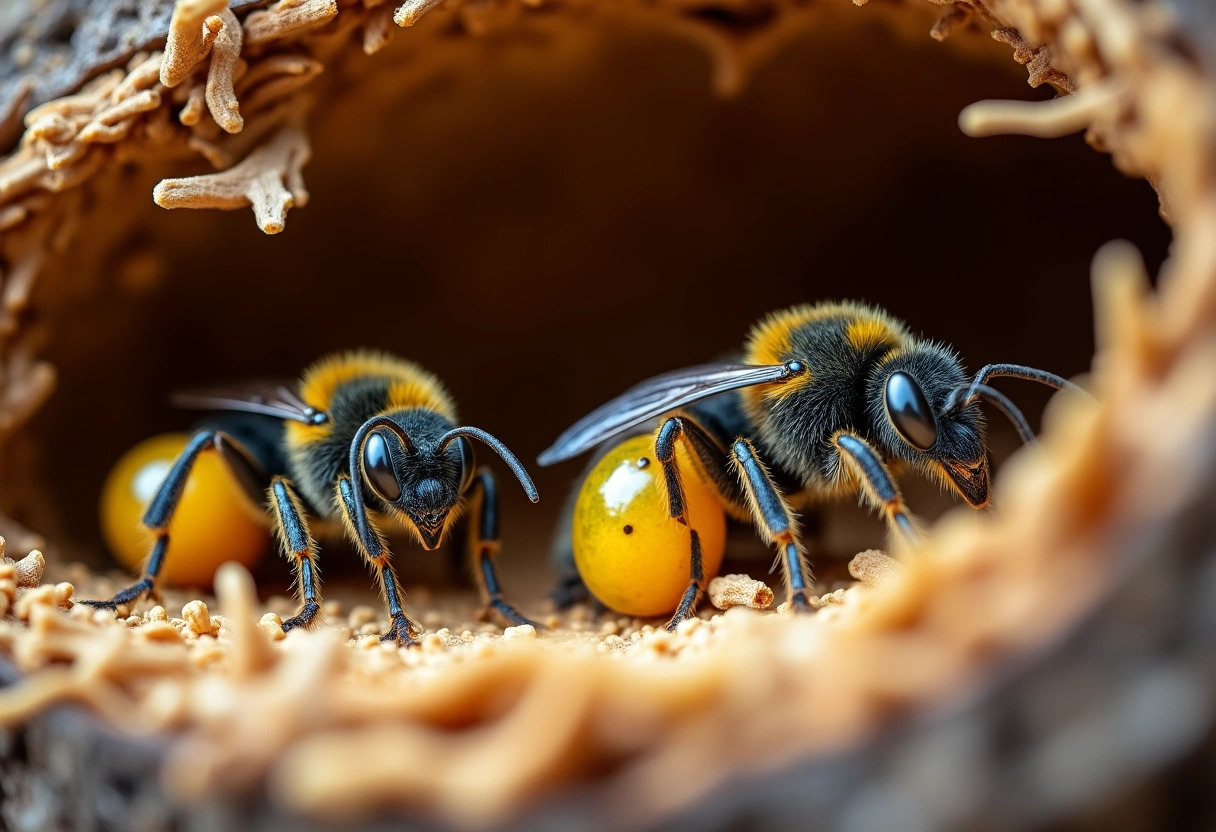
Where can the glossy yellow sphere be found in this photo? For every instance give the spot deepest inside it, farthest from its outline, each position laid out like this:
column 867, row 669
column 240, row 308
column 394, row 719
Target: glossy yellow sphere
column 214, row 522
column 630, row 553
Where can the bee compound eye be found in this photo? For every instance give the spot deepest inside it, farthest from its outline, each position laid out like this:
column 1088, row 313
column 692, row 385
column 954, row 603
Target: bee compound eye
column 910, row 411
column 378, row 468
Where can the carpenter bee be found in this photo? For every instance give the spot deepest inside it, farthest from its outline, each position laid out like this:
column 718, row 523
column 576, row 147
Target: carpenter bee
column 361, row 433
column 831, row 398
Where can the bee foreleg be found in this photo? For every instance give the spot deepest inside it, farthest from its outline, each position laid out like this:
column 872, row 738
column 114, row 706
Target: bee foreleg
column 775, row 521
column 300, row 547
column 163, row 506
column 712, row 458
column 146, row 584
column 484, row 545
column 375, row 551
column 877, row 485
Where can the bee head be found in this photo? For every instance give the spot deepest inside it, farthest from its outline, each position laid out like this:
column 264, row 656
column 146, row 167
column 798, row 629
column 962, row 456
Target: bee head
column 416, row 466
column 909, row 400
column 416, row 473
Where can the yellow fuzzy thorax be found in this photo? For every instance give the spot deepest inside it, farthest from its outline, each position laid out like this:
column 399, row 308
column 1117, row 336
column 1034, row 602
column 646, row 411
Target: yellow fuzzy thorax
column 409, row 385
column 769, row 340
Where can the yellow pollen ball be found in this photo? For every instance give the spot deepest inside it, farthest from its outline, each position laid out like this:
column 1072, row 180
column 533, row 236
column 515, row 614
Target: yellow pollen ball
column 629, row 551
column 214, row 521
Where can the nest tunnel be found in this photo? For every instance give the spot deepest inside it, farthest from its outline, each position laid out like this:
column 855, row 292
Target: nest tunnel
column 543, row 203
column 543, row 239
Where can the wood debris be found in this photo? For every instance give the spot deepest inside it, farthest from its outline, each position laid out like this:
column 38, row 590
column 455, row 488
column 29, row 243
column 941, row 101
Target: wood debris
column 726, row 591
column 268, row 179
column 192, row 31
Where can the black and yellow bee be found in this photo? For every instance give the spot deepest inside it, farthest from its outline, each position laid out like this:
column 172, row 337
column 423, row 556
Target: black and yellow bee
column 831, row 397
column 362, row 431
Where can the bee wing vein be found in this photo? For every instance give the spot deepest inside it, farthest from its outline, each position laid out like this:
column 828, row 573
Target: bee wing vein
column 653, row 398
column 275, row 398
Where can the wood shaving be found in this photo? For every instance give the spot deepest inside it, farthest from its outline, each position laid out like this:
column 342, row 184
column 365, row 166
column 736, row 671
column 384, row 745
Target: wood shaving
column 268, row 179
column 726, row 591
column 875, row 568
column 51, row 127
column 1045, row 119
column 19, row 173
column 84, row 165
column 92, row 96
column 378, row 31
column 286, row 18
column 193, row 29
column 276, row 78
column 140, row 101
column 952, row 18
column 410, row 12
column 221, row 97
column 1037, row 60
column 195, row 106
column 94, row 133
column 63, row 156
column 143, row 72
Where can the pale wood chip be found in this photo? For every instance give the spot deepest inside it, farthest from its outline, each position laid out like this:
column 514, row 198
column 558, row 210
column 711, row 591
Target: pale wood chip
column 287, row 17
column 259, row 180
column 221, row 97
column 728, row 591
column 192, row 30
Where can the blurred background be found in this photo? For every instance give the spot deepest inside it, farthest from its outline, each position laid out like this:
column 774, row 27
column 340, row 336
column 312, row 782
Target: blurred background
column 542, row 234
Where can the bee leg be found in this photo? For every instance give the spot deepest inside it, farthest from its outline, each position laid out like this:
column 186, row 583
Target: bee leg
column 146, row 585
column 299, row 547
column 164, row 504
column 484, row 546
column 374, row 550
column 710, row 453
column 876, row 483
column 775, row 522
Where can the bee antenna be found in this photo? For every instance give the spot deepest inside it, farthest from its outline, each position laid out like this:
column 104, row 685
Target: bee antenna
column 998, row 400
column 356, row 463
column 513, row 463
column 1014, row 371
column 964, row 396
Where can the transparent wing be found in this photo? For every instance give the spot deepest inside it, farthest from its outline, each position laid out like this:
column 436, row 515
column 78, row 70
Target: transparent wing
column 661, row 394
column 269, row 398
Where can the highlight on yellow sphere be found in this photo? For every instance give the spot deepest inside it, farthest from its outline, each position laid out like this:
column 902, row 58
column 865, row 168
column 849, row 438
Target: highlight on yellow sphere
column 214, row 521
column 631, row 555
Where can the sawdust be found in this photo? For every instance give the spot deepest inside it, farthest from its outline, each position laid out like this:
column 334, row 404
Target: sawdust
column 327, row 720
